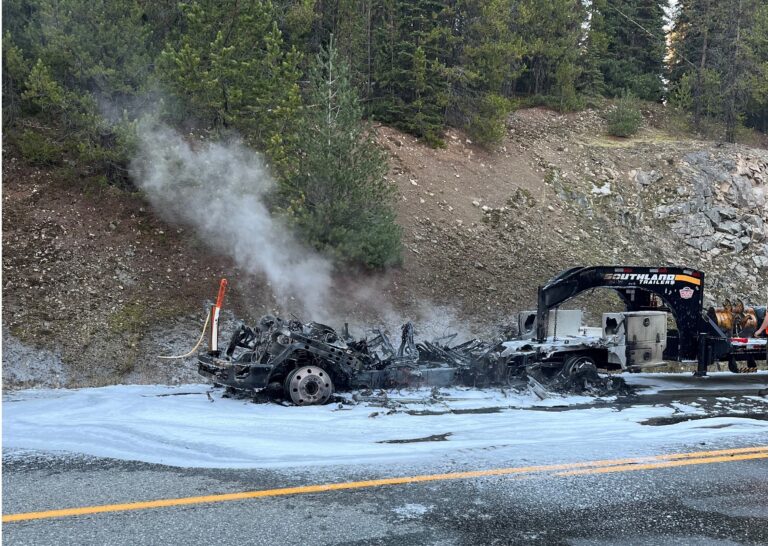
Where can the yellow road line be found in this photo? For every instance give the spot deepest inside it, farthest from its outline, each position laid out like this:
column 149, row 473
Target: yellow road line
column 666, row 464
column 586, row 467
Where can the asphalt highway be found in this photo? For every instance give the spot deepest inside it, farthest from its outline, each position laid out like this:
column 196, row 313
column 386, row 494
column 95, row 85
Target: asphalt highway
column 710, row 496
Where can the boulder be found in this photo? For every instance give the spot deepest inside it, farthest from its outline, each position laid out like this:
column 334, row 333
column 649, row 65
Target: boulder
column 755, row 225
column 695, row 225
column 760, row 261
column 729, row 226
column 702, row 187
column 704, row 244
column 646, row 178
column 741, row 193
column 733, row 244
column 728, row 213
column 759, row 196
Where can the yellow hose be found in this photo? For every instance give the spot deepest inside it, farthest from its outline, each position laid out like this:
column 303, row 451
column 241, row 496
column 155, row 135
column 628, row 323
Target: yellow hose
column 199, row 341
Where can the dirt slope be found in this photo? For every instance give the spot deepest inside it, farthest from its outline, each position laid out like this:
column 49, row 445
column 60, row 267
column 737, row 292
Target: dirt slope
column 95, row 285
column 483, row 230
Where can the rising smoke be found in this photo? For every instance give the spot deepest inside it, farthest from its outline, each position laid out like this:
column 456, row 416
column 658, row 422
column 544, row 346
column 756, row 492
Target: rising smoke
column 219, row 189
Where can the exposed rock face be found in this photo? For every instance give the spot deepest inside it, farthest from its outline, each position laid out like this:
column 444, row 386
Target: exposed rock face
column 726, row 210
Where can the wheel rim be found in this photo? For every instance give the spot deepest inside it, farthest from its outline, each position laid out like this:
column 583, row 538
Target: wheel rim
column 580, row 364
column 309, row 385
column 578, row 367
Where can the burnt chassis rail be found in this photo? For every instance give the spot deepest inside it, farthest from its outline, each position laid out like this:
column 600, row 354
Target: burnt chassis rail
column 248, row 376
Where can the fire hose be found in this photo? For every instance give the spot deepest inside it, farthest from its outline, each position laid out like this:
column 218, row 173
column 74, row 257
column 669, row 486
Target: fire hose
column 199, row 341
column 213, row 317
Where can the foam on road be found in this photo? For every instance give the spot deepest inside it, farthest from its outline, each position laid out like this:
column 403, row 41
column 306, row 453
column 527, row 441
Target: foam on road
column 180, row 426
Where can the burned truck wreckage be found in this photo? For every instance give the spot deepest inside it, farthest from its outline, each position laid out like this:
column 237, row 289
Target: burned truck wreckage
column 304, row 363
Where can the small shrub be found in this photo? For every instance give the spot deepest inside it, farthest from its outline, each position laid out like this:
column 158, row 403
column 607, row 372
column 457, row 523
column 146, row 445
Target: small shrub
column 37, row 150
column 625, row 119
column 488, row 126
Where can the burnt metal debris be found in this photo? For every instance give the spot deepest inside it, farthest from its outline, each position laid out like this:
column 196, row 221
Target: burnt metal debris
column 304, row 363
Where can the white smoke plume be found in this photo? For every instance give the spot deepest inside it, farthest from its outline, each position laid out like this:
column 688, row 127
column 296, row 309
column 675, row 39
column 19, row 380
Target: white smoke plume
column 220, row 189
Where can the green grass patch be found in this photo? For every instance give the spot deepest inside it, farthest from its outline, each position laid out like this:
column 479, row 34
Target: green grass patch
column 132, row 317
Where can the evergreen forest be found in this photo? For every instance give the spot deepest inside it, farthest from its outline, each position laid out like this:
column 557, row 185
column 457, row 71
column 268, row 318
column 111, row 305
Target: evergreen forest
column 304, row 82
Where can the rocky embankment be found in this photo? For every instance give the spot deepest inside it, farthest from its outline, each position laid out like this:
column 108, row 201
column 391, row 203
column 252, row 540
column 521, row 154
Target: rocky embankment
column 560, row 194
column 723, row 208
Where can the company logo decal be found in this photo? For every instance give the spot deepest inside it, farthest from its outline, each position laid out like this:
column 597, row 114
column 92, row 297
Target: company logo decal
column 652, row 278
column 686, row 293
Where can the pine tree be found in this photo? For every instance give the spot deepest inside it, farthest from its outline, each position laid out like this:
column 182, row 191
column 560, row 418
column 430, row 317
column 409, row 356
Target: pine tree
column 351, row 24
column 634, row 56
column 756, row 109
column 100, row 46
column 715, row 60
column 230, row 70
column 410, row 67
column 592, row 80
column 338, row 196
column 489, row 64
column 551, row 31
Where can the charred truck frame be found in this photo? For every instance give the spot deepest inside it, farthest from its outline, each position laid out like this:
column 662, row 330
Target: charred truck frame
column 306, row 362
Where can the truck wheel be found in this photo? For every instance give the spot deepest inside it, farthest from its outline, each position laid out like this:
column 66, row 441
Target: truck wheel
column 579, row 362
column 308, row 386
column 579, row 368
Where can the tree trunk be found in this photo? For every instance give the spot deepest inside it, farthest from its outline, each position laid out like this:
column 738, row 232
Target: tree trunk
column 732, row 82
column 699, row 81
